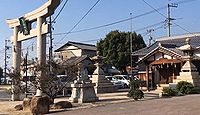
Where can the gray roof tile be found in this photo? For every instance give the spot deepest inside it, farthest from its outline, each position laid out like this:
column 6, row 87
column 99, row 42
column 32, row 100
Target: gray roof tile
column 79, row 45
column 170, row 43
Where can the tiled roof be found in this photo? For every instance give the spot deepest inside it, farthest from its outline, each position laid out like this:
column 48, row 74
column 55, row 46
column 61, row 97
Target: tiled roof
column 75, row 60
column 180, row 40
column 170, row 43
column 146, row 50
column 79, row 45
column 161, row 49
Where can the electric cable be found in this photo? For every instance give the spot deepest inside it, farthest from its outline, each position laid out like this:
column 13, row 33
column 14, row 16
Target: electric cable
column 60, row 10
column 123, row 20
column 165, row 16
column 140, row 29
column 81, row 19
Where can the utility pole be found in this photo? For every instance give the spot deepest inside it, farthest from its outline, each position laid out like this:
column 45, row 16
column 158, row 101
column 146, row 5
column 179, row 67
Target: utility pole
column 50, row 43
column 131, row 46
column 149, row 32
column 26, row 70
column 169, row 18
column 5, row 60
column 50, row 40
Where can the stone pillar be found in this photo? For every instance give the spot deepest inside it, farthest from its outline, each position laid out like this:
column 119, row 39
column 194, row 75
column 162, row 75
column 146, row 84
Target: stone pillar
column 16, row 50
column 16, row 62
column 41, row 49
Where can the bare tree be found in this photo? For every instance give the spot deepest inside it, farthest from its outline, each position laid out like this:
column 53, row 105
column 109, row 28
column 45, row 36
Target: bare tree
column 50, row 84
column 16, row 88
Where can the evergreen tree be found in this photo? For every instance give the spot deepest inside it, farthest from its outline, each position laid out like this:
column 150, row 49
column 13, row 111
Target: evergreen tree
column 116, row 48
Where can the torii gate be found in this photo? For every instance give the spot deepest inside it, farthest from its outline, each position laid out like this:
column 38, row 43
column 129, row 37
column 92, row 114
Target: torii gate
column 22, row 30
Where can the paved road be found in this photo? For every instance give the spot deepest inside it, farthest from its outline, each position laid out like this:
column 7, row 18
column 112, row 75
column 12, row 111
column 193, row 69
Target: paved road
column 185, row 105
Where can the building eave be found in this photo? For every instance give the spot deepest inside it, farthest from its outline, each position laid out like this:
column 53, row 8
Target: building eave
column 161, row 49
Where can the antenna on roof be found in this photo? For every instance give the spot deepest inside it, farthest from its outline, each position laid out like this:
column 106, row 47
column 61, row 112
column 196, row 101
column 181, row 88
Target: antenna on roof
column 149, row 32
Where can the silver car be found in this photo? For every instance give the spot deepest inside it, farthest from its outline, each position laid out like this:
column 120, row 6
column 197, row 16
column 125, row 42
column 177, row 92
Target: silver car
column 124, row 79
column 115, row 82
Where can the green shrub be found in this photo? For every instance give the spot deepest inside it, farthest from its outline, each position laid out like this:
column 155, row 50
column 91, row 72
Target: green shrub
column 169, row 92
column 135, row 84
column 138, row 94
column 195, row 90
column 134, row 91
column 184, row 87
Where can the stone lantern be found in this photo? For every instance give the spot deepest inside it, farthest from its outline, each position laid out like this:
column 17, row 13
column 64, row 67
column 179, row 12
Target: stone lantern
column 103, row 85
column 98, row 63
column 83, row 88
column 189, row 71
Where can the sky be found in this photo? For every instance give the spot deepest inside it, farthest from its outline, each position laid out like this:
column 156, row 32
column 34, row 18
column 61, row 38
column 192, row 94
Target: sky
column 105, row 12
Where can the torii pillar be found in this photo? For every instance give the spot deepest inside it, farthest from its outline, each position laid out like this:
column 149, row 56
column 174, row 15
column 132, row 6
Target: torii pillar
column 39, row 16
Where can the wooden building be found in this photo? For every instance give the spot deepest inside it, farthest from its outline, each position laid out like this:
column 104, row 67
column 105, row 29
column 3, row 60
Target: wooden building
column 161, row 62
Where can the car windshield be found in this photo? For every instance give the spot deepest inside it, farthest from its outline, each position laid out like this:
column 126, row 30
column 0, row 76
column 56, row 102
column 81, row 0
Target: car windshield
column 114, row 79
column 126, row 77
column 109, row 78
column 119, row 77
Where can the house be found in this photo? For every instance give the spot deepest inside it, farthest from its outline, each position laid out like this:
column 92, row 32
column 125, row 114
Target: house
column 75, row 49
column 75, row 65
column 73, row 53
column 163, row 62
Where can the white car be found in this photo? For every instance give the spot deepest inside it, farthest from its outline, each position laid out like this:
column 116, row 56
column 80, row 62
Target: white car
column 124, row 79
column 115, row 82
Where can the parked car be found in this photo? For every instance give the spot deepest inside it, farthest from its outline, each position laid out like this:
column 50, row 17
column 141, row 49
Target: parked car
column 115, row 82
column 124, row 79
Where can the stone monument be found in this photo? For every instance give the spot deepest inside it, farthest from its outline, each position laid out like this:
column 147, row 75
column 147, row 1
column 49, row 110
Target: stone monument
column 103, row 85
column 83, row 88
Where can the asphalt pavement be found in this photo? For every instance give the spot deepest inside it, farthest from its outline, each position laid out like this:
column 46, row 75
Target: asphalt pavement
column 118, row 104
column 182, row 105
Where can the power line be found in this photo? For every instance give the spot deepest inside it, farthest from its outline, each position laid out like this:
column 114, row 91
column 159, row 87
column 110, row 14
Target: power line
column 105, row 25
column 123, row 20
column 145, row 33
column 184, row 1
column 108, row 25
column 81, row 19
column 165, row 16
column 113, row 23
column 144, row 28
column 140, row 29
column 60, row 10
column 90, row 40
